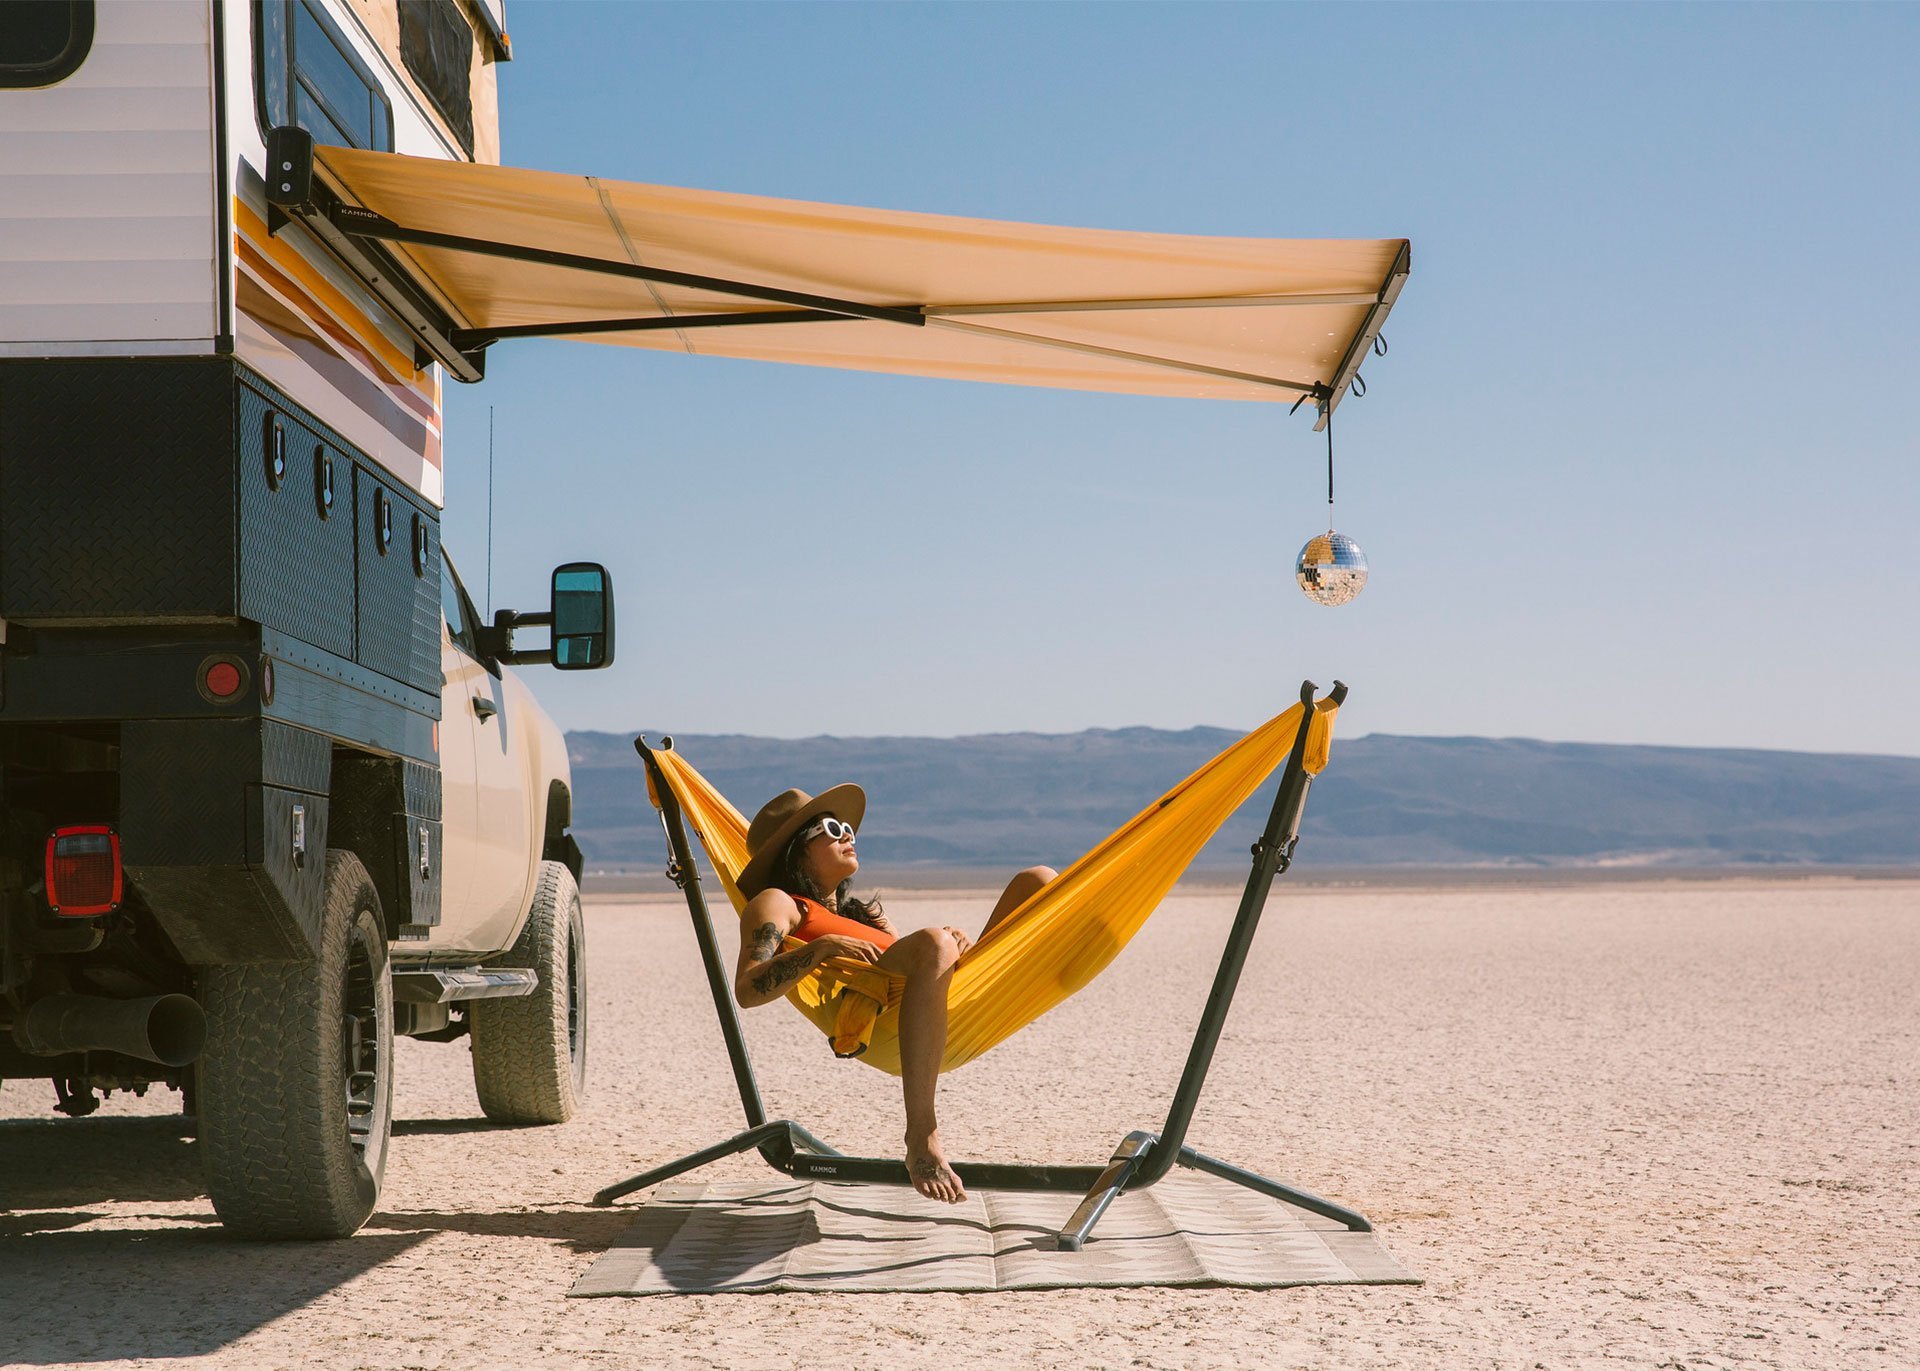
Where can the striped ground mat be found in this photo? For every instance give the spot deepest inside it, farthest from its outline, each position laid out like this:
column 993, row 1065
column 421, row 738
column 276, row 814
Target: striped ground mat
column 800, row 1235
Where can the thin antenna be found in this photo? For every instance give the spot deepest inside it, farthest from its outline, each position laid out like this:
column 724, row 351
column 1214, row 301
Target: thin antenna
column 489, row 513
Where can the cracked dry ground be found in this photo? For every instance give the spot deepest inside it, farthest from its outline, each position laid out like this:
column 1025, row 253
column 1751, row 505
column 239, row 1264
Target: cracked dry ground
column 1646, row 1124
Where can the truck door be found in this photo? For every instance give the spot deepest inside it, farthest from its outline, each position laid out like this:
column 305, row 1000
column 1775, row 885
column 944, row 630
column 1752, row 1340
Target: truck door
column 459, row 803
column 490, row 841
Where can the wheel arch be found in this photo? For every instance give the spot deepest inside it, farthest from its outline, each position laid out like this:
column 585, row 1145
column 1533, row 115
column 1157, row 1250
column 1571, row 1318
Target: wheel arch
column 558, row 844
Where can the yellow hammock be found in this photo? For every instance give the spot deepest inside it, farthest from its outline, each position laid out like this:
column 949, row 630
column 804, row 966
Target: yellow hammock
column 1060, row 939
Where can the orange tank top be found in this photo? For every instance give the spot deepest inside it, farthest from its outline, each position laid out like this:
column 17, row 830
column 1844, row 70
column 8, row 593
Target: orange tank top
column 816, row 921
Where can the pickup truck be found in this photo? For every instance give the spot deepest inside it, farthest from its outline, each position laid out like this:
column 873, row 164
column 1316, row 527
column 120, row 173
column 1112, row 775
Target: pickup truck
column 269, row 794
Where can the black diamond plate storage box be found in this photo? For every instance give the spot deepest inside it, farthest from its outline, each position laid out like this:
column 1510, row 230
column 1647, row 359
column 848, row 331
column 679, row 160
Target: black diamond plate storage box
column 420, row 838
column 295, row 485
column 399, row 604
column 223, row 825
column 389, row 813
column 151, row 490
column 116, row 491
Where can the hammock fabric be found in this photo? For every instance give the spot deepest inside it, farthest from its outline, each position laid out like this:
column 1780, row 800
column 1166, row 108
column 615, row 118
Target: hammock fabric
column 1051, row 946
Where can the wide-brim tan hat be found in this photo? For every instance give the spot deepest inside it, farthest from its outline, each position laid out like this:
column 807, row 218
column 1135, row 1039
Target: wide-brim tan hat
column 785, row 815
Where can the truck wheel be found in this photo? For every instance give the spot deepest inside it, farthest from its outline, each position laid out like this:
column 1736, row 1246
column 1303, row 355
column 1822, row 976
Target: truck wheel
column 530, row 1053
column 296, row 1082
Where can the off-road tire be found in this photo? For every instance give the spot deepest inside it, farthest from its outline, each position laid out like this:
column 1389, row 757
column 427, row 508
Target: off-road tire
column 530, row 1053
column 296, row 1082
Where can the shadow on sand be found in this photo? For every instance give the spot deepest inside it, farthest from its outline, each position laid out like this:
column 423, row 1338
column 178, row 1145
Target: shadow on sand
column 420, row 1128
column 581, row 1229
column 207, row 1290
column 58, row 1163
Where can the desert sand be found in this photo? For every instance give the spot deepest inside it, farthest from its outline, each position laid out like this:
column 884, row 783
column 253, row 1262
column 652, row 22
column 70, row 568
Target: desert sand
column 1653, row 1125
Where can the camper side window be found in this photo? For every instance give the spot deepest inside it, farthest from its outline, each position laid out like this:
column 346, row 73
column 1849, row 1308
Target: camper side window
column 311, row 76
column 437, row 46
column 43, row 42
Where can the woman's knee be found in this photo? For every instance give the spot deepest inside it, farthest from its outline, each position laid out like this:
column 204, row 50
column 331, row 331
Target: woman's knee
column 927, row 949
column 1024, row 883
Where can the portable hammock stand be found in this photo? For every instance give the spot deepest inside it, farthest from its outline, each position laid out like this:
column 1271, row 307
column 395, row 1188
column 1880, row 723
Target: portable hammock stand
column 1142, row 1158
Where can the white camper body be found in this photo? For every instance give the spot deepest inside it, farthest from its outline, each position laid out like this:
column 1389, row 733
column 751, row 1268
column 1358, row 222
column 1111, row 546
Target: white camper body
column 109, row 232
column 136, row 222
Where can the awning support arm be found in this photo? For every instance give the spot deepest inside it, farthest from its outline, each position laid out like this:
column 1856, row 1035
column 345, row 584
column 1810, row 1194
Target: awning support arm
column 481, row 337
column 364, row 223
column 1311, row 389
column 470, row 339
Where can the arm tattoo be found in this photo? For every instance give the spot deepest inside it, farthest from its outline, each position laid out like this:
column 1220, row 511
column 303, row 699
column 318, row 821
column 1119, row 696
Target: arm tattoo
column 790, row 966
column 766, row 942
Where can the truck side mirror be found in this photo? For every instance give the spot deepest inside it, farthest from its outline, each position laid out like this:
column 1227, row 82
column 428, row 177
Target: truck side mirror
column 582, row 617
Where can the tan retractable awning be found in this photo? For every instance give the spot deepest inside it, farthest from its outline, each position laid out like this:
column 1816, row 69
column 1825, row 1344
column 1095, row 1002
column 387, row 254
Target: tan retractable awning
column 503, row 252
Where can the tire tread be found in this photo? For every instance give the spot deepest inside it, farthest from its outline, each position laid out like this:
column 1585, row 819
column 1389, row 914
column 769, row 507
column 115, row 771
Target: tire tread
column 272, row 1115
column 523, row 1069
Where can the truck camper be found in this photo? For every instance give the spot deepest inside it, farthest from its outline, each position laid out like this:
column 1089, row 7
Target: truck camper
column 267, row 797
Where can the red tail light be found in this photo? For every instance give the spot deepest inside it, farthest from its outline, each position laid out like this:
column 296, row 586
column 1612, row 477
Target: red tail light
column 83, row 871
column 223, row 679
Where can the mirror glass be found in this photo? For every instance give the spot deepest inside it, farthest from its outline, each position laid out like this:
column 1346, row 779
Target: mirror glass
column 582, row 616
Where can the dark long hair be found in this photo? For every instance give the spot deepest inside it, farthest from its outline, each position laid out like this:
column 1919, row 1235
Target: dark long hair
column 795, row 881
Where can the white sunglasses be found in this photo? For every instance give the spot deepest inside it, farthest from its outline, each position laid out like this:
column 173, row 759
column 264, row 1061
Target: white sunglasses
column 832, row 827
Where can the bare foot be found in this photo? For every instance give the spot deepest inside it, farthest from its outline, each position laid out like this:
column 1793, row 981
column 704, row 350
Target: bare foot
column 932, row 1176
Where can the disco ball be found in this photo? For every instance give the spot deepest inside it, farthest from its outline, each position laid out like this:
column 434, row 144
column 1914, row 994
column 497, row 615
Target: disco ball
column 1332, row 569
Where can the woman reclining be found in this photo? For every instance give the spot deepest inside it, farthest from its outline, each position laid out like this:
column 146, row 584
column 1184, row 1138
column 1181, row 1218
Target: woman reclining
column 799, row 870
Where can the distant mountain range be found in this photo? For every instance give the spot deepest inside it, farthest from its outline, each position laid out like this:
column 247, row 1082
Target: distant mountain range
column 1005, row 800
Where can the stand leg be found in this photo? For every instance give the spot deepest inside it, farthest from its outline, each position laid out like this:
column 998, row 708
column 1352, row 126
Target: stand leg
column 1113, row 1180
column 1303, row 1199
column 767, row 1133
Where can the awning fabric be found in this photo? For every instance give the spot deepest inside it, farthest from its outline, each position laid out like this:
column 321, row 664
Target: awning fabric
column 975, row 299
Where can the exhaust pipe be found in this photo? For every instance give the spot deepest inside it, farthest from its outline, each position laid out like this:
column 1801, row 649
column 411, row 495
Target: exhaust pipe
column 168, row 1029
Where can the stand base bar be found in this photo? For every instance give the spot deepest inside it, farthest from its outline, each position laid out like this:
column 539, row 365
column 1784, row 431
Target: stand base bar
column 978, row 1175
column 788, row 1147
column 768, row 1138
column 1300, row 1199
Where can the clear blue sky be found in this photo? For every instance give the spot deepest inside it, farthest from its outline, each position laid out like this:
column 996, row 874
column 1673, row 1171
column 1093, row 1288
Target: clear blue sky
column 1643, row 464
